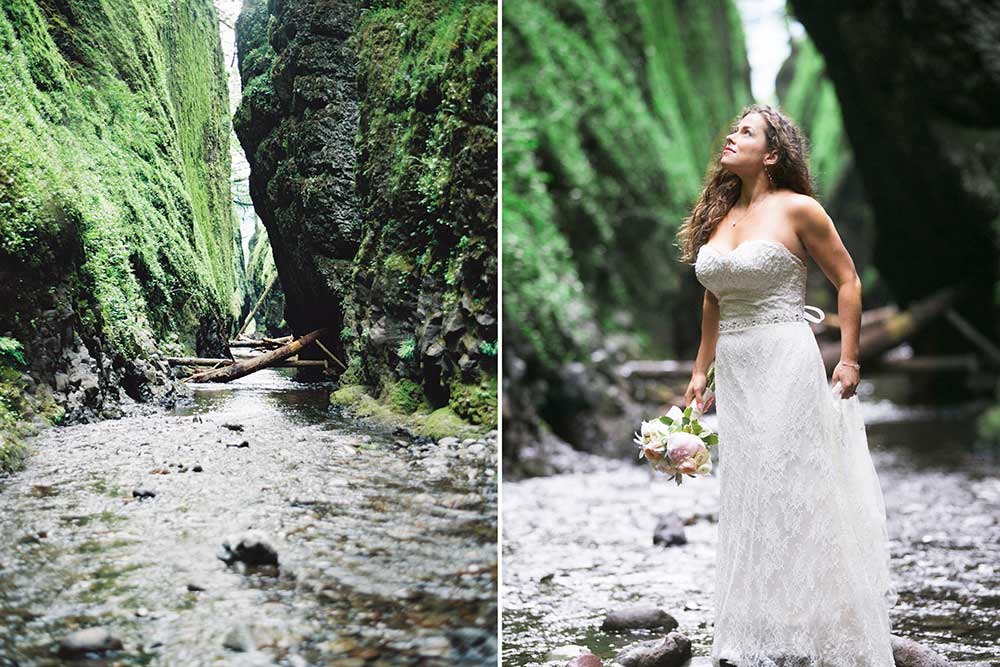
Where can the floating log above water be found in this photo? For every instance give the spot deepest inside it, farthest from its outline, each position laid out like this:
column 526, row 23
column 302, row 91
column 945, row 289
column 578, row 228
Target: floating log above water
column 260, row 362
column 205, row 361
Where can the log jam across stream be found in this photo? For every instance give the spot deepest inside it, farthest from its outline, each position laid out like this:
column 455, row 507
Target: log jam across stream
column 386, row 547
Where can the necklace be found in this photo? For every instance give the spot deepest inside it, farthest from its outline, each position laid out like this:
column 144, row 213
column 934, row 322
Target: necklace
column 744, row 216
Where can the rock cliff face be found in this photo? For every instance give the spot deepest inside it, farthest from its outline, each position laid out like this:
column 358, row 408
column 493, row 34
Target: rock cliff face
column 372, row 141
column 919, row 86
column 116, row 229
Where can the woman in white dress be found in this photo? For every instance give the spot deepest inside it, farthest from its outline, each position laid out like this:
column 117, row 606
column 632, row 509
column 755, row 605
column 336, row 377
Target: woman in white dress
column 802, row 568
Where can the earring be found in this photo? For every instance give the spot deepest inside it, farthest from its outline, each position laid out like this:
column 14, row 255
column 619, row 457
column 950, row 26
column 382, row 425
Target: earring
column 768, row 174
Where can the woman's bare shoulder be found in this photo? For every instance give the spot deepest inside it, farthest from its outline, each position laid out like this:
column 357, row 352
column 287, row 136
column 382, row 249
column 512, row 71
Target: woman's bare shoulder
column 804, row 211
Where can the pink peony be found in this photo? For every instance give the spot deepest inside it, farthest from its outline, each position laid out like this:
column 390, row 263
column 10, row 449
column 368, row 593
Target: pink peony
column 684, row 446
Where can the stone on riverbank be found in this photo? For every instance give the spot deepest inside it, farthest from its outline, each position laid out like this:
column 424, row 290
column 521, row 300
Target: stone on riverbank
column 142, row 493
column 638, row 617
column 88, row 640
column 671, row 651
column 585, row 660
column 252, row 548
column 669, row 530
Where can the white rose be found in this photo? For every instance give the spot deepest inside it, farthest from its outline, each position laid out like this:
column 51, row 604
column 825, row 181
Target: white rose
column 675, row 413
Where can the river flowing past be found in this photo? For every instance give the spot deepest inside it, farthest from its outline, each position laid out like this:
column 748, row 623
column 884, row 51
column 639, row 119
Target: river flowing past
column 386, row 547
column 578, row 545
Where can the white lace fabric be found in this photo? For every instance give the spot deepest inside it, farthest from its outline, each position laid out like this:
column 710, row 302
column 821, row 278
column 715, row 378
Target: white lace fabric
column 803, row 558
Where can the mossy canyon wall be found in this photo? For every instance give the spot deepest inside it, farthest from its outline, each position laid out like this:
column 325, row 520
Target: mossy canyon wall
column 370, row 128
column 116, row 230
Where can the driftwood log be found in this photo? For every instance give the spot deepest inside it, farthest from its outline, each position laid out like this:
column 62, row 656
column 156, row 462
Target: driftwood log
column 206, row 361
column 891, row 331
column 260, row 362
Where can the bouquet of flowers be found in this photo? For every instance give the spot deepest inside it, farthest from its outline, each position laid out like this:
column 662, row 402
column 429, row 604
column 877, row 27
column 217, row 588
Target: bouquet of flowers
column 676, row 443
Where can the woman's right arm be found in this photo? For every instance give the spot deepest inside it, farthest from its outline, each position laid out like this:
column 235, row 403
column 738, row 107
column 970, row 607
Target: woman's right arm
column 706, row 351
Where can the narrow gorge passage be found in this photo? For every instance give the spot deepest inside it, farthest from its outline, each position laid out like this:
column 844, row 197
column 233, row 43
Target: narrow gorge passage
column 348, row 519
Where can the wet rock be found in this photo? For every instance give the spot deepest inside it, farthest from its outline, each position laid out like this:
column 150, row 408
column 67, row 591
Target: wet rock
column 908, row 653
column 252, row 548
column 89, row 640
column 197, row 586
column 142, row 493
column 238, row 428
column 585, row 660
column 197, row 468
column 566, row 652
column 449, row 442
column 239, row 639
column 244, row 444
column 671, row 651
column 638, row 617
column 473, row 646
column 669, row 530
column 434, row 647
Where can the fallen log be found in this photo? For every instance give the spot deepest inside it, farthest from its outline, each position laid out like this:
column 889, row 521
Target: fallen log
column 203, row 361
column 254, row 364
column 893, row 330
column 830, row 326
column 257, row 305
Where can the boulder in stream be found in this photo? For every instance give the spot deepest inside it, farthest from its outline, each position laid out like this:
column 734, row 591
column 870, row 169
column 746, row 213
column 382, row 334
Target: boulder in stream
column 670, row 651
column 638, row 617
column 88, row 640
column 252, row 548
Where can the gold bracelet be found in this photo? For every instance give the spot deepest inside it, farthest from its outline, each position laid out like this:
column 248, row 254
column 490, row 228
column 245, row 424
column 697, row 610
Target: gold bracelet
column 844, row 363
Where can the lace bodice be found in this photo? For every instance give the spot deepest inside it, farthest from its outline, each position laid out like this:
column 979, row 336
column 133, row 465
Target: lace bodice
column 759, row 282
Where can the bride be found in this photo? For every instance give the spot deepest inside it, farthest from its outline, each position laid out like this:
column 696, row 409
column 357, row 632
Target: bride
column 802, row 569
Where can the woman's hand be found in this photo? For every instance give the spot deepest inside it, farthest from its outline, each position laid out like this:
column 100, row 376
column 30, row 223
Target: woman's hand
column 849, row 377
column 696, row 391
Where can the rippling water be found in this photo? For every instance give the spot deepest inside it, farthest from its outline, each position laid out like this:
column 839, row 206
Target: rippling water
column 577, row 545
column 387, row 548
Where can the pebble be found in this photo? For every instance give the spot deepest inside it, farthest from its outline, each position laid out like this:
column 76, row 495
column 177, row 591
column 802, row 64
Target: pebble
column 638, row 617
column 142, row 492
column 669, row 530
column 251, row 547
column 89, row 640
column 670, row 651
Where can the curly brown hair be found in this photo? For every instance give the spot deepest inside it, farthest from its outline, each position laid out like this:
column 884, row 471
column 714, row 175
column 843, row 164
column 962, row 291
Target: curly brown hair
column 722, row 187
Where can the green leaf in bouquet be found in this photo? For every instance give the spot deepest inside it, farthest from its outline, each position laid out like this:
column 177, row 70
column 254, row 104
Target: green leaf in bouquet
column 712, row 439
column 687, row 413
column 696, row 428
column 667, row 420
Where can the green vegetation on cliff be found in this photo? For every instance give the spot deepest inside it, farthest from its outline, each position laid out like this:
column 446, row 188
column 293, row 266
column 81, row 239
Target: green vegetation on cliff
column 114, row 168
column 611, row 111
column 398, row 255
column 116, row 226
column 426, row 173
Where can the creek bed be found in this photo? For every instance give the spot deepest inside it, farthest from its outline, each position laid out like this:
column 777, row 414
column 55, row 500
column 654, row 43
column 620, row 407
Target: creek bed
column 577, row 545
column 387, row 547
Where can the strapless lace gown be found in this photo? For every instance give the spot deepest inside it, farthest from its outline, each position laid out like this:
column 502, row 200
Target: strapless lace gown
column 802, row 569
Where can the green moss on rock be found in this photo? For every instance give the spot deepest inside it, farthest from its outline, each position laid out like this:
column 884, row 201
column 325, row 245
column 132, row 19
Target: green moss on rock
column 114, row 171
column 476, row 402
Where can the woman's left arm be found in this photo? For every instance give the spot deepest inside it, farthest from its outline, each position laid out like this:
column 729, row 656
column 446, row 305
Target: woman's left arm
column 818, row 234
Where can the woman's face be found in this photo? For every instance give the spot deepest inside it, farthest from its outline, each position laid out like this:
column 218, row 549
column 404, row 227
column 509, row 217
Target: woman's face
column 746, row 147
